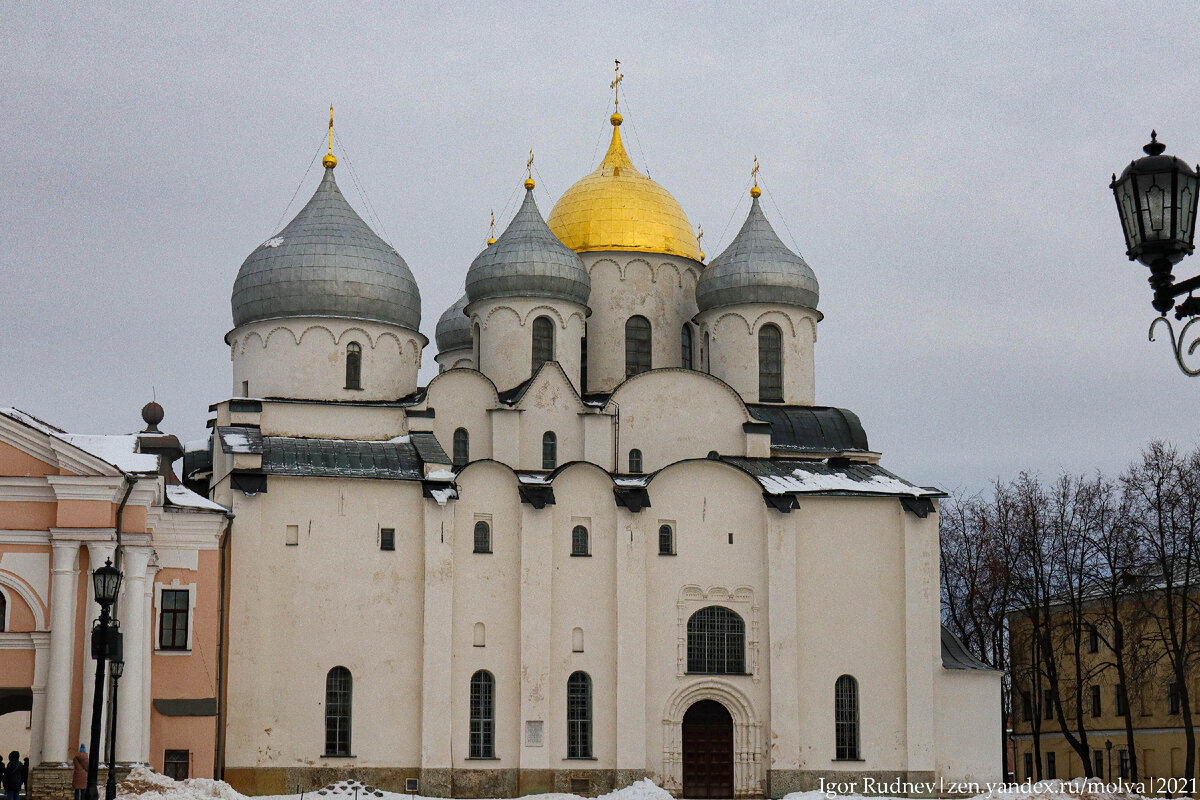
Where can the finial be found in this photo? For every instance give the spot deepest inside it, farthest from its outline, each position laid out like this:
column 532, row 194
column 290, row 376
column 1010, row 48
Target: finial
column 616, row 118
column 700, row 238
column 492, row 230
column 1155, row 148
column 755, row 192
column 529, row 184
column 330, row 161
column 152, row 414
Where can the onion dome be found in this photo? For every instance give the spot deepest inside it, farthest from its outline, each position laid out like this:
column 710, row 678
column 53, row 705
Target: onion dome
column 454, row 328
column 327, row 262
column 618, row 208
column 528, row 261
column 757, row 268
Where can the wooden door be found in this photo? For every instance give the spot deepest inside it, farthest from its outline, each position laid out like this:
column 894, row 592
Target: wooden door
column 707, row 751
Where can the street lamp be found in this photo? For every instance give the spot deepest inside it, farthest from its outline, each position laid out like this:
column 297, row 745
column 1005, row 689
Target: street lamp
column 110, row 786
column 107, row 582
column 1156, row 201
column 1108, row 747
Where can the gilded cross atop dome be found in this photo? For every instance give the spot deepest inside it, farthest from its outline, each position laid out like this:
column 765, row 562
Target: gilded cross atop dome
column 330, row 160
column 492, row 229
column 529, row 184
column 616, row 118
column 755, row 192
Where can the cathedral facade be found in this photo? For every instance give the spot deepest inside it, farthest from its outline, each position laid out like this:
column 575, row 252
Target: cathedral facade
column 614, row 537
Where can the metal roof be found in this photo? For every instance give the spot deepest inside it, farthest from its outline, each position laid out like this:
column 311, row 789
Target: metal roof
column 797, row 476
column 812, row 429
column 956, row 656
column 402, row 458
column 327, row 262
column 757, row 268
column 528, row 261
column 454, row 328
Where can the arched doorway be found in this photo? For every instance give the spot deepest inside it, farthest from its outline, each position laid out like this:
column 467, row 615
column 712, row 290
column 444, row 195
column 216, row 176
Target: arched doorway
column 707, row 750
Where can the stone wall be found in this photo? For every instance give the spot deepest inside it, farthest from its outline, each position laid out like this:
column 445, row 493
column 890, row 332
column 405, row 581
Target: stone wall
column 53, row 782
column 434, row 782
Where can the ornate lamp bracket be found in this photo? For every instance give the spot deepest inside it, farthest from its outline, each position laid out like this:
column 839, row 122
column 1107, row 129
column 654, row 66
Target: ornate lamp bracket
column 1177, row 344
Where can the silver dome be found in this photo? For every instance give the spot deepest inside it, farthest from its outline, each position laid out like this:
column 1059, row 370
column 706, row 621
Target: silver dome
column 328, row 263
column 757, row 268
column 454, row 328
column 528, row 261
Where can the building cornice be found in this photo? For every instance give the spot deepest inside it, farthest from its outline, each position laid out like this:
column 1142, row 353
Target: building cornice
column 26, row 490
column 83, row 487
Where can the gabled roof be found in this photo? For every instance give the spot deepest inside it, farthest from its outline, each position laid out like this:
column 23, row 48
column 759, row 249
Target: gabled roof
column 118, row 451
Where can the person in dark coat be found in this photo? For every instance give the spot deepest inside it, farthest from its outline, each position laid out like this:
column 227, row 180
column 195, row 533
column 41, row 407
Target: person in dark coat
column 79, row 779
column 25, row 775
column 12, row 776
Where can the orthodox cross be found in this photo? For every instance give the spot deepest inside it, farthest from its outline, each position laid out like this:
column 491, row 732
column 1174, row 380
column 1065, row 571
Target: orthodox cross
column 616, row 85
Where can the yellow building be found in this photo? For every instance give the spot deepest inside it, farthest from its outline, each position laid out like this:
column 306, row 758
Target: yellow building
column 1157, row 721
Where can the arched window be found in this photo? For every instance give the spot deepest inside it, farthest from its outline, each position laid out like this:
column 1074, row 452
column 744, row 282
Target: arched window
column 577, row 640
column 543, row 341
column 635, row 461
column 354, row 366
column 480, row 637
column 3, row 612
column 770, row 364
column 462, row 447
column 337, row 712
column 549, row 450
column 475, row 344
column 483, row 715
column 483, row 537
column 579, row 541
column 579, row 715
column 706, row 355
column 637, row 346
column 716, row 642
column 685, row 346
column 845, row 714
column 666, row 540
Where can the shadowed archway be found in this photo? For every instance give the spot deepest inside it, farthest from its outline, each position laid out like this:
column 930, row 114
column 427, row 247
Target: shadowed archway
column 707, row 750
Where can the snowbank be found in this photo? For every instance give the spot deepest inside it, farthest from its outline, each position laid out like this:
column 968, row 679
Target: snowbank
column 142, row 782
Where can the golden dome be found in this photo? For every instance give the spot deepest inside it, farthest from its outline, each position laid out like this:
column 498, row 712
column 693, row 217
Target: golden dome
column 618, row 208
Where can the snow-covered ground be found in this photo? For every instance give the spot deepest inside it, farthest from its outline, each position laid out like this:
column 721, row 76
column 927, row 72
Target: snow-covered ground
column 143, row 784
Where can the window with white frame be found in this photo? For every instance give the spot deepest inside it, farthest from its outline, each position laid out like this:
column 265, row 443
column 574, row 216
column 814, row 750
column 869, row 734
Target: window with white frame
column 175, row 603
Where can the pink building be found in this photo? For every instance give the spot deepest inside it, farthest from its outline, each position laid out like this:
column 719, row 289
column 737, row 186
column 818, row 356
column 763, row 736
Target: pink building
column 68, row 503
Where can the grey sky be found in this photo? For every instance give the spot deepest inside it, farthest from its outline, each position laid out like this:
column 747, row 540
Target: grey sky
column 942, row 166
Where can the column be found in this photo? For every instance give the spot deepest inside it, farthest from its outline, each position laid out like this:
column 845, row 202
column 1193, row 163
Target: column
column 536, row 567
column 129, row 695
column 437, row 728
column 97, row 553
column 783, row 654
column 64, row 577
column 41, row 672
column 147, row 655
column 631, row 641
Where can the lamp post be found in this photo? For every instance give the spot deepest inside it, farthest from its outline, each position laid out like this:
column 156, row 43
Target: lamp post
column 107, row 582
column 110, row 786
column 1156, row 200
column 1108, row 747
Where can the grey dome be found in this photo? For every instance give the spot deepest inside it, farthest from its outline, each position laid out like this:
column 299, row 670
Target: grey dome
column 528, row 261
column 327, row 263
column 757, row 268
column 454, row 329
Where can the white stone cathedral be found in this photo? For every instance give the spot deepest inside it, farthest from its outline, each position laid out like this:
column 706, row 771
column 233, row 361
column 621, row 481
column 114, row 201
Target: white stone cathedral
column 612, row 538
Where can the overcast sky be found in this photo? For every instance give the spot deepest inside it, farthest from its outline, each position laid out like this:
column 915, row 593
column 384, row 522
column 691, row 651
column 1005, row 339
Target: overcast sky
column 943, row 167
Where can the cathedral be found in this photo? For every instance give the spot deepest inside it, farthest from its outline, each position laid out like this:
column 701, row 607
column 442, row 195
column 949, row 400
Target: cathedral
column 614, row 537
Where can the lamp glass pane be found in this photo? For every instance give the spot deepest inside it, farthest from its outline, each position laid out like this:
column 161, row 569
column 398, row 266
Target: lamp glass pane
column 1186, row 202
column 1128, row 212
column 106, row 582
column 1156, row 205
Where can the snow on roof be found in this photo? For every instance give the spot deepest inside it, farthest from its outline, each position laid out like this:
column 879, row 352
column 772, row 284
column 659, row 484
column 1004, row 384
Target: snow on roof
column 440, row 475
column 182, row 496
column 196, row 446
column 443, row 495
column 120, row 450
column 640, row 480
column 526, row 477
column 237, row 442
column 804, row 481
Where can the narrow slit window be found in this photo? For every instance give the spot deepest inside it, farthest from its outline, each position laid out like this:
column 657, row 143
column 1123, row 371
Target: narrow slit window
column 483, row 537
column 579, row 541
column 543, row 341
column 579, row 715
column 635, row 461
column 666, row 540
column 338, row 685
column 354, row 366
column 770, row 364
column 462, row 448
column 387, row 538
column 685, row 346
column 637, row 346
column 483, row 716
column 549, row 450
column 845, row 711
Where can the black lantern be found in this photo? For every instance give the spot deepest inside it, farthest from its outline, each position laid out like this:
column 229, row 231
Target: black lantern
column 107, row 582
column 118, row 669
column 1156, row 200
